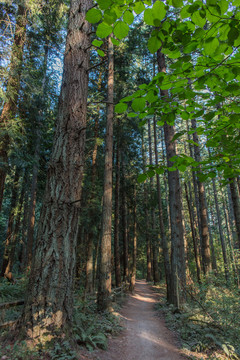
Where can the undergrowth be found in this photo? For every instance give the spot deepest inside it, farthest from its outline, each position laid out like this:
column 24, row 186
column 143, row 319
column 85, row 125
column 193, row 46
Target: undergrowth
column 209, row 323
column 90, row 330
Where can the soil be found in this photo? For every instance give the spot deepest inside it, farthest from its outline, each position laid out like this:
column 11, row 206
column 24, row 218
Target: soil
column 145, row 336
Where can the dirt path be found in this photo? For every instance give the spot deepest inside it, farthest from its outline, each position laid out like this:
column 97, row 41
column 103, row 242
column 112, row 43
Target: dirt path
column 145, row 336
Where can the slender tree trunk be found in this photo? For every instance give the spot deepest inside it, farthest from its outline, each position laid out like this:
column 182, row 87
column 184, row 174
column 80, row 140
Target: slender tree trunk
column 167, row 265
column 10, row 106
column 49, row 298
column 236, row 206
column 155, row 245
column 134, row 266
column 178, row 269
column 16, row 228
column 166, row 184
column 116, row 216
column 124, row 226
column 9, row 240
column 33, row 195
column 194, row 234
column 206, row 256
column 89, row 286
column 104, row 289
column 146, row 199
column 224, row 250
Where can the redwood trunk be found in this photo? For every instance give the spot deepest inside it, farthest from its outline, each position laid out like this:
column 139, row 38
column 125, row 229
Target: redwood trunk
column 49, row 299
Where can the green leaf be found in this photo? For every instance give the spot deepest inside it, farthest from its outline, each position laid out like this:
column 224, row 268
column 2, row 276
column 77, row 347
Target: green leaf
column 138, row 104
column 100, row 52
column 138, row 7
column 103, row 30
column 93, row 16
column 177, row 3
column 104, row 4
column 141, row 178
column 154, row 44
column 115, row 41
column 121, row 30
column 128, row 17
column 120, row 108
column 158, row 12
column 148, row 17
column 210, row 45
column 198, row 19
column 97, row 43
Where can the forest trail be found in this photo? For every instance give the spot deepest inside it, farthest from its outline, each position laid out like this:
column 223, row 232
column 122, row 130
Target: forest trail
column 145, row 336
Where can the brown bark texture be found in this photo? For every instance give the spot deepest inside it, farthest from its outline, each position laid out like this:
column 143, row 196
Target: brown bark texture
column 178, row 266
column 116, row 213
column 236, row 206
column 49, row 298
column 104, row 289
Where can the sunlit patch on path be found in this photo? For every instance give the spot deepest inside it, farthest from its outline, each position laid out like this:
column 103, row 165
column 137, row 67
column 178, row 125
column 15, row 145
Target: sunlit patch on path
column 145, row 336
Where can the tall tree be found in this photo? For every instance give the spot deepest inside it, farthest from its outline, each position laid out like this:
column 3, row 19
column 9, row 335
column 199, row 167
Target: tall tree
column 178, row 272
column 104, row 289
column 49, row 298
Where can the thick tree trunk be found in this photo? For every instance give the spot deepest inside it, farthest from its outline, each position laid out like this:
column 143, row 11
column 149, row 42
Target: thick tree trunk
column 178, row 268
column 206, row 256
column 104, row 289
column 116, row 213
column 49, row 299
column 10, row 107
column 9, row 240
column 167, row 265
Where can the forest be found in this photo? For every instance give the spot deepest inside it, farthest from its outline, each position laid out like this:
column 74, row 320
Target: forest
column 119, row 178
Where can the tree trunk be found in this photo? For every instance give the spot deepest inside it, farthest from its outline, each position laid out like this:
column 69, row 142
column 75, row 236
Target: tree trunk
column 33, row 195
column 155, row 245
column 116, row 213
column 206, row 257
column 16, row 227
column 134, row 265
column 10, row 106
column 167, row 265
column 8, row 242
column 178, row 269
column 146, row 200
column 124, row 226
column 104, row 289
column 49, row 299
column 194, row 234
column 224, row 250
column 236, row 206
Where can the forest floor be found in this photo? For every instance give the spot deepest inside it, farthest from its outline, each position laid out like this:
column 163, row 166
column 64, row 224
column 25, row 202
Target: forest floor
column 145, row 335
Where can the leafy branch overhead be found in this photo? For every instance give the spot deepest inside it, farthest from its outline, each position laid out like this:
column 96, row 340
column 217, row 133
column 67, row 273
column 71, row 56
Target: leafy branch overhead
column 201, row 41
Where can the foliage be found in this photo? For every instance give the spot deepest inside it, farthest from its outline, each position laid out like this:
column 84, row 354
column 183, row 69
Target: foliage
column 209, row 322
column 202, row 42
